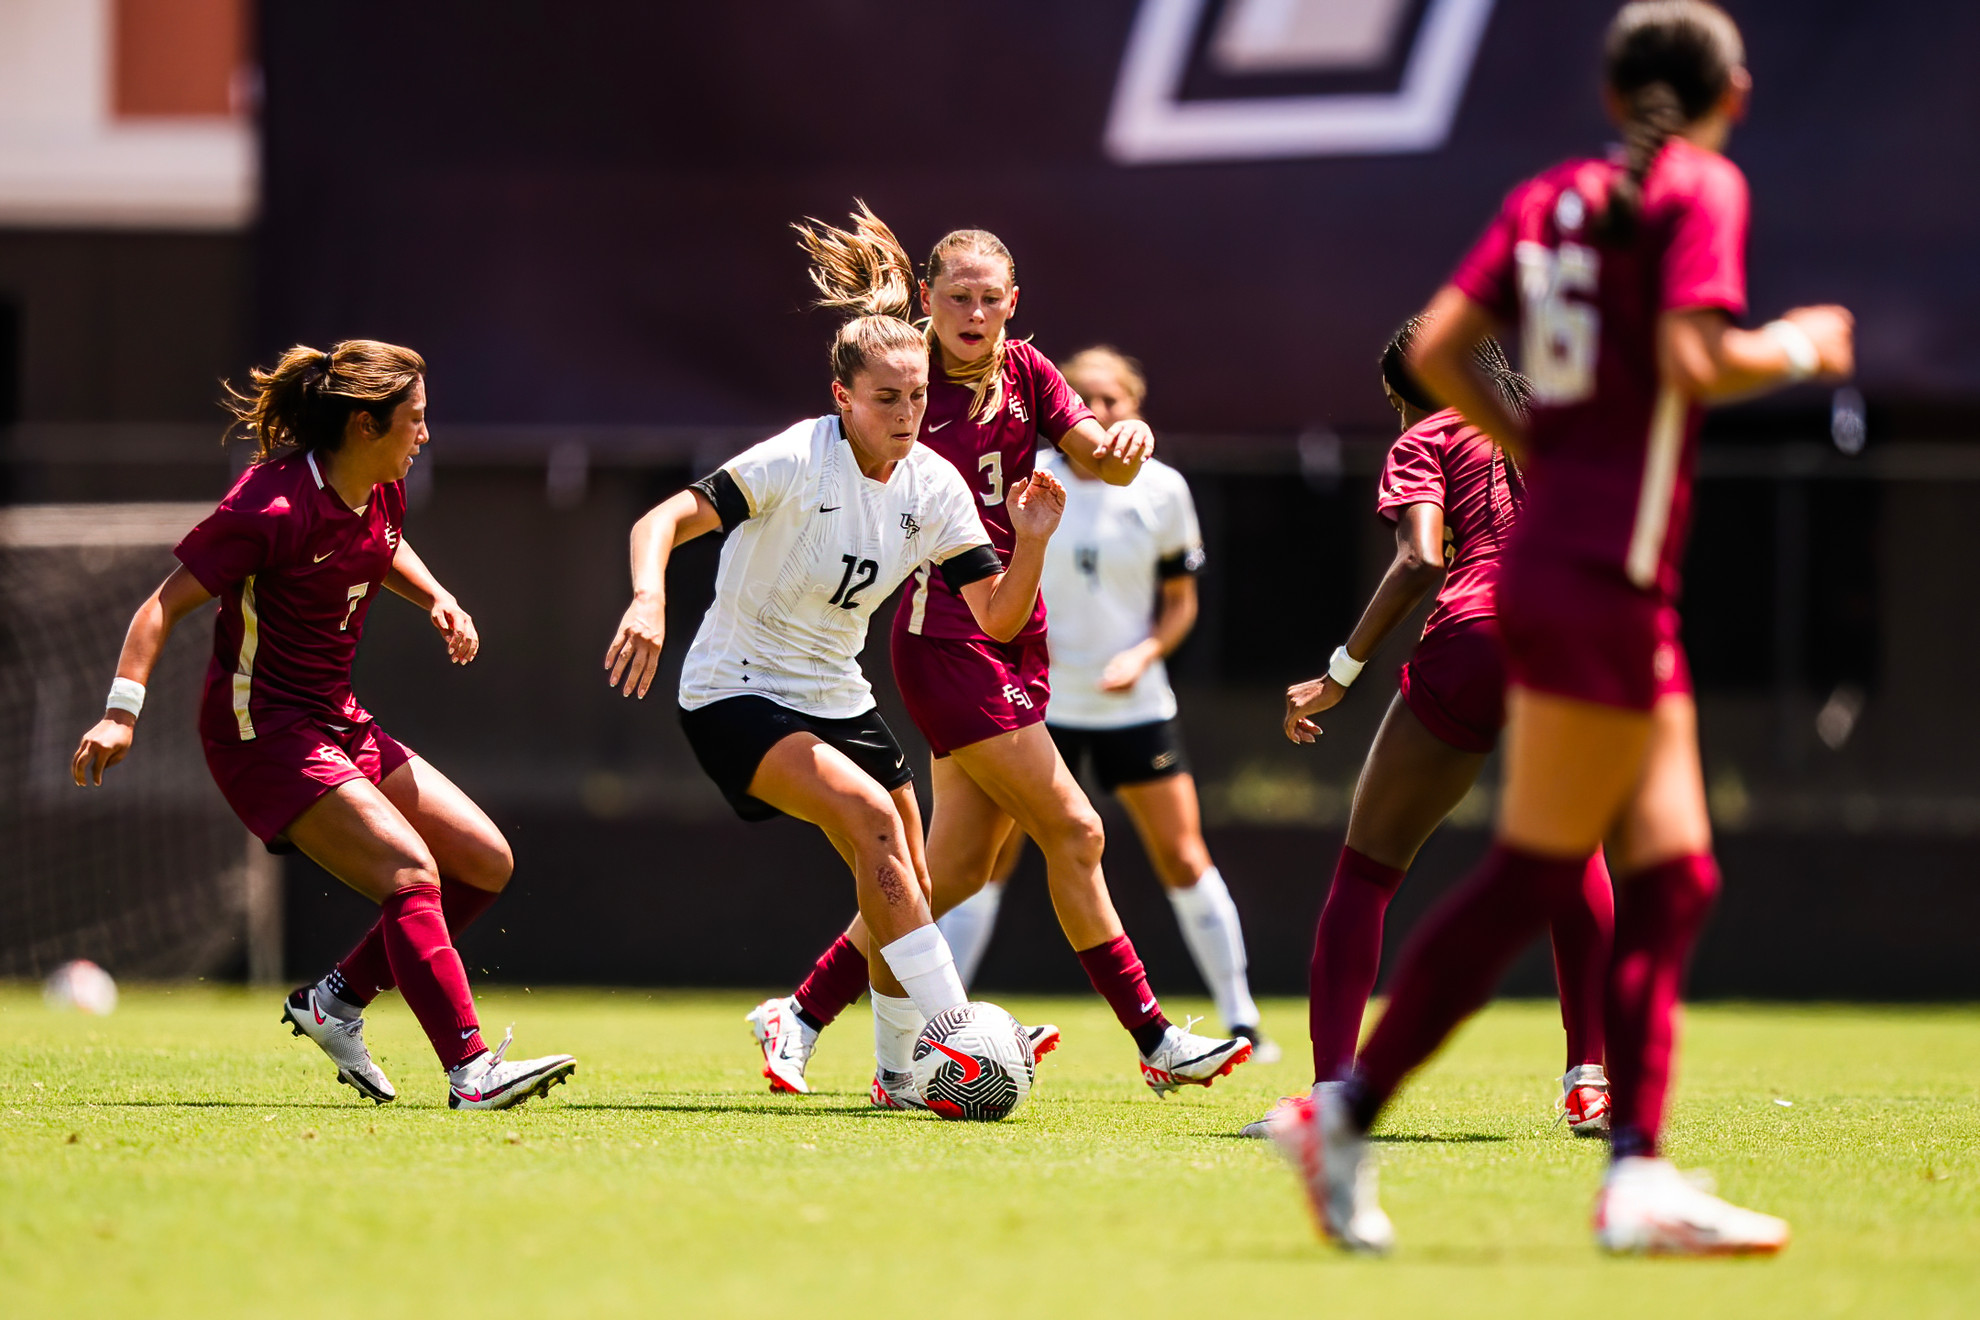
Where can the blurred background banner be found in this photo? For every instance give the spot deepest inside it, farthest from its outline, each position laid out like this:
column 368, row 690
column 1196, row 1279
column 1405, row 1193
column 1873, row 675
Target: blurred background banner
column 580, row 214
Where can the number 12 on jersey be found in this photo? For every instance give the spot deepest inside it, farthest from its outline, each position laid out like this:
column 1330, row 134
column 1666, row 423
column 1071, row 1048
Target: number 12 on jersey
column 846, row 597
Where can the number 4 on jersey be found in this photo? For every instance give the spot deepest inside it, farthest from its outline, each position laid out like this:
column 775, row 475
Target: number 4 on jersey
column 1558, row 334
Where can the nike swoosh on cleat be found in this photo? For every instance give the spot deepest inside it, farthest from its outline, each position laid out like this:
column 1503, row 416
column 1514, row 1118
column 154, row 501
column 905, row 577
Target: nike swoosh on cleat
column 972, row 1068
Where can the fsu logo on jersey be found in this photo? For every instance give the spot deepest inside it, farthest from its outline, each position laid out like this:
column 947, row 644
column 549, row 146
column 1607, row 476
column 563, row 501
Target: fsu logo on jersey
column 1017, row 696
column 1017, row 406
column 1276, row 79
column 391, row 537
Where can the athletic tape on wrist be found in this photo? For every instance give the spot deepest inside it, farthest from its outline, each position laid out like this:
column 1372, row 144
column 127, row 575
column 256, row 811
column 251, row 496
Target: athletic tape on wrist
column 1803, row 359
column 1344, row 668
column 126, row 694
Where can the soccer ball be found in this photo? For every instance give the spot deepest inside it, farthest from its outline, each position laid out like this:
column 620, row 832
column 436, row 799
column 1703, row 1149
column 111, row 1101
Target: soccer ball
column 83, row 986
column 973, row 1061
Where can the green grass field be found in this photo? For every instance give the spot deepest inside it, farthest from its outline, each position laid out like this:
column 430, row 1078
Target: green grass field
column 188, row 1157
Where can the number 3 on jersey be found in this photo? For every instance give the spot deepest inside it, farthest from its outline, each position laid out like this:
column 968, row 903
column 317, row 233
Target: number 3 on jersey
column 992, row 467
column 1558, row 334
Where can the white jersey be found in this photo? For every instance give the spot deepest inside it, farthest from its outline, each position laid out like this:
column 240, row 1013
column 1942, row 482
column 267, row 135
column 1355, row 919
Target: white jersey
column 1103, row 568
column 814, row 546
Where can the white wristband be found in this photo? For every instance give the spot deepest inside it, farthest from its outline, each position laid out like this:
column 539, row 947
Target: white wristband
column 126, row 694
column 1803, row 360
column 1344, row 668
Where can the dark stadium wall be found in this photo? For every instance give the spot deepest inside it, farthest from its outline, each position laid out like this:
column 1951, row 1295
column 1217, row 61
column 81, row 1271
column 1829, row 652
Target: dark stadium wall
column 579, row 212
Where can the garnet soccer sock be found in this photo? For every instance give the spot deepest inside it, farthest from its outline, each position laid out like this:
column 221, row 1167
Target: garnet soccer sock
column 1347, row 954
column 837, row 979
column 1209, row 922
column 1582, row 934
column 1659, row 913
column 429, row 973
column 365, row 970
column 967, row 927
column 1455, row 958
column 1118, row 975
column 920, row 960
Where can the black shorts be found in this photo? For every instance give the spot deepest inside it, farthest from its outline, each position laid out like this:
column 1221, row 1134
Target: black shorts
column 1137, row 754
column 731, row 737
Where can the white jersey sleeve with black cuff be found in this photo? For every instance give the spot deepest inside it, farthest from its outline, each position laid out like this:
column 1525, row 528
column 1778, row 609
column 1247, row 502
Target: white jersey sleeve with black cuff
column 814, row 546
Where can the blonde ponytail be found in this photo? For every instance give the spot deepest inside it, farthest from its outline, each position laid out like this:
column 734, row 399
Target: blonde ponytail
column 863, row 270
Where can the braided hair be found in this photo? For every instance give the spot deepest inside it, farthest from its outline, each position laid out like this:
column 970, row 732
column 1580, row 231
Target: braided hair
column 1670, row 61
column 1487, row 356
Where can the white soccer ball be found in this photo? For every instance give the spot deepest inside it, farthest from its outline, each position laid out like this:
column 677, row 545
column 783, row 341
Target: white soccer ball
column 973, row 1061
column 83, row 986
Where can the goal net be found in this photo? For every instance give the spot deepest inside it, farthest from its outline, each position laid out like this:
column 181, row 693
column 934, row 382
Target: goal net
column 150, row 875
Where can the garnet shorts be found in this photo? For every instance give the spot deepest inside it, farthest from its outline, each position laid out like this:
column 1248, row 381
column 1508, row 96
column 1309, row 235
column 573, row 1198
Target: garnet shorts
column 1124, row 757
column 274, row 777
column 960, row 691
column 731, row 737
column 1584, row 631
column 1455, row 683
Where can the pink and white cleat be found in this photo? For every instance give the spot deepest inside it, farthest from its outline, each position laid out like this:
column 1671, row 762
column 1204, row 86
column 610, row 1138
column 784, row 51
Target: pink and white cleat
column 1647, row 1208
column 1318, row 1138
column 1584, row 1102
column 786, row 1043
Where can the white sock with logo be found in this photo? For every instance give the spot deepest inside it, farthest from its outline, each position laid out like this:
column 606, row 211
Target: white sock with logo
column 921, row 961
column 967, row 928
column 1209, row 922
column 896, row 1023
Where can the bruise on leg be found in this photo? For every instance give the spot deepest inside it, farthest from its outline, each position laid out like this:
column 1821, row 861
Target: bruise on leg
column 893, row 884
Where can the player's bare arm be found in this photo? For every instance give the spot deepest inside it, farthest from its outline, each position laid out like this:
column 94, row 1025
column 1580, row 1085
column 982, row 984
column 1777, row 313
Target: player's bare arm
column 1709, row 358
column 1003, row 604
column 109, row 741
column 1442, row 359
column 634, row 654
column 1175, row 615
column 1111, row 454
column 1414, row 572
column 410, row 579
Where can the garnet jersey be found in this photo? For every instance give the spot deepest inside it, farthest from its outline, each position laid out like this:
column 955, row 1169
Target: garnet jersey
column 992, row 456
column 1103, row 567
column 1446, row 461
column 814, row 546
column 296, row 571
column 1614, row 446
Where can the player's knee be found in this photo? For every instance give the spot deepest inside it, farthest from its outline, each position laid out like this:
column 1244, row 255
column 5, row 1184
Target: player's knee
column 870, row 821
column 493, row 863
column 1080, row 837
column 414, row 868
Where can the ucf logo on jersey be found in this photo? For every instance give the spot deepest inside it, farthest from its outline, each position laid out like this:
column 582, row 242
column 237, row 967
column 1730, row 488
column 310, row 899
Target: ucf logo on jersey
column 1191, row 80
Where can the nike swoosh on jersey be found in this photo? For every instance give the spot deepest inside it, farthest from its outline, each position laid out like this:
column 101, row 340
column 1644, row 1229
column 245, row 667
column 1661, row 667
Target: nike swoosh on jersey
column 972, row 1068
column 938, row 426
column 830, row 508
column 325, row 555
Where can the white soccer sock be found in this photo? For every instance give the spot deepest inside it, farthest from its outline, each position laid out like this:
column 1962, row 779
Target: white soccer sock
column 896, row 1023
column 1209, row 922
column 920, row 960
column 967, row 928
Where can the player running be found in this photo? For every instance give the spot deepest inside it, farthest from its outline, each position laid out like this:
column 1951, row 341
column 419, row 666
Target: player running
column 1120, row 583
column 823, row 521
column 1623, row 277
column 1454, row 496
column 296, row 552
column 980, row 699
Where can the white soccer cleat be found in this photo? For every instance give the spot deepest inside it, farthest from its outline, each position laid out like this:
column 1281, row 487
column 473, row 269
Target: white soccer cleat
column 342, row 1039
column 1262, row 1127
column 786, row 1043
column 1186, row 1059
column 1044, row 1039
column 1584, row 1102
column 1647, row 1208
column 1317, row 1137
column 488, row 1082
column 894, row 1090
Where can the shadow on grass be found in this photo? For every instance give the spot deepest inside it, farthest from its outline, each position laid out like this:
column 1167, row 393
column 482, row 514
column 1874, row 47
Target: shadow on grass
column 204, row 1104
column 858, row 1109
column 1417, row 1138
